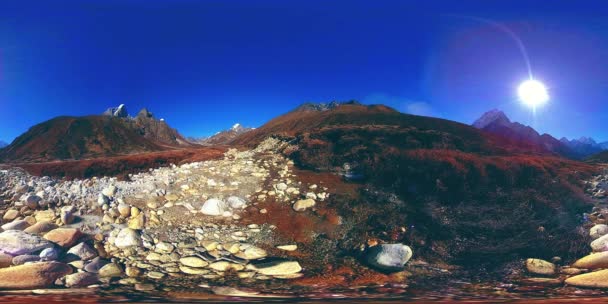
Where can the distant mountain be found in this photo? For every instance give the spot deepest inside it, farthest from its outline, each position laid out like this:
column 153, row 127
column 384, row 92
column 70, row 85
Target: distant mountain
column 496, row 122
column 584, row 146
column 66, row 137
column 3, row 144
column 120, row 111
column 222, row 137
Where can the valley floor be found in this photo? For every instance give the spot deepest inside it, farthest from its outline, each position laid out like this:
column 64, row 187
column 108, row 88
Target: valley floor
column 245, row 224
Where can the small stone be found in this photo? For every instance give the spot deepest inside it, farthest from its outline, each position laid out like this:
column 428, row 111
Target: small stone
column 124, row 210
column 127, row 237
column 389, row 257
column 40, row 227
column 82, row 251
column 304, row 204
column 236, row 202
column 102, row 200
column 133, row 272
column 67, row 214
column 137, row 222
column 110, row 270
column 110, row 191
column 252, row 253
column 598, row 231
column 540, row 267
column 288, row 247
column 49, row 254
column 32, row 201
column 155, row 275
column 214, row 207
column 95, row 264
column 164, row 247
column 44, row 216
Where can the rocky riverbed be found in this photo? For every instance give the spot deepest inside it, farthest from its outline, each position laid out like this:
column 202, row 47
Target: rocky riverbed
column 193, row 225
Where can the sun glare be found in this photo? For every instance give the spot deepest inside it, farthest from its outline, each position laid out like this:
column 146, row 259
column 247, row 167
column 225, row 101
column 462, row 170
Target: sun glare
column 533, row 93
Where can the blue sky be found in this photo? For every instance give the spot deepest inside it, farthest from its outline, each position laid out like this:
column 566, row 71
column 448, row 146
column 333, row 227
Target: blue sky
column 204, row 65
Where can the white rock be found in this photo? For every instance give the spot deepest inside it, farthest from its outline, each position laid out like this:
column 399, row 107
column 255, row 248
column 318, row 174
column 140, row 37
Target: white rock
column 598, row 231
column 236, row 202
column 127, row 237
column 214, row 207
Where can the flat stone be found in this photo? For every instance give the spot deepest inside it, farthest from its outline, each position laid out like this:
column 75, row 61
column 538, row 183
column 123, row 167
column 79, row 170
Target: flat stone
column 540, row 267
column 10, row 215
column 225, row 266
column 252, row 253
column 593, row 261
column 15, row 242
column 81, row 279
column 44, row 216
column 277, row 268
column 598, row 279
column 25, row 258
column 193, row 270
column 164, row 247
column 195, row 262
column 64, row 237
column 16, row 225
column 33, row 275
column 41, row 227
column 288, row 247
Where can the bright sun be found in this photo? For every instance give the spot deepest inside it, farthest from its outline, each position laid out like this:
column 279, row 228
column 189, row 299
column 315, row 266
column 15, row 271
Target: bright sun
column 533, row 93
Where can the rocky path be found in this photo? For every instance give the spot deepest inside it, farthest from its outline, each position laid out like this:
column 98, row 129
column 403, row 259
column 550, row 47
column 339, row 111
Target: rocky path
column 188, row 225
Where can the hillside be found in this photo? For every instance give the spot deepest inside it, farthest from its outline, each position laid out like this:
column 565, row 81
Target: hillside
column 455, row 184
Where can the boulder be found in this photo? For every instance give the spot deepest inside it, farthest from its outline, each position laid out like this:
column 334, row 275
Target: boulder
column 64, row 237
column 389, row 257
column 540, row 267
column 15, row 242
column 214, row 207
column 597, row 279
column 33, row 275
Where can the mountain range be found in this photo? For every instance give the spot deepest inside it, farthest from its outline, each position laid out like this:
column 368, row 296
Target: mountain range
column 222, row 137
column 496, row 122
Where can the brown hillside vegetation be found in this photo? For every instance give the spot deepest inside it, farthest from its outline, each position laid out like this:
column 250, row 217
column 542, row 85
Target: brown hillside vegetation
column 456, row 191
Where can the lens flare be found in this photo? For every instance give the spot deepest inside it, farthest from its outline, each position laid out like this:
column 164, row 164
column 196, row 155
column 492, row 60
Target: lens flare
column 533, row 93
